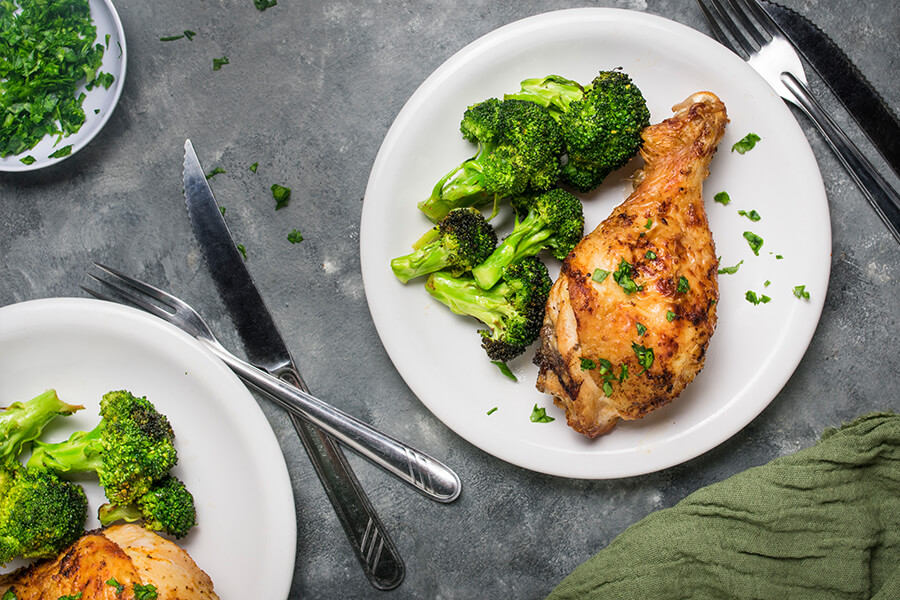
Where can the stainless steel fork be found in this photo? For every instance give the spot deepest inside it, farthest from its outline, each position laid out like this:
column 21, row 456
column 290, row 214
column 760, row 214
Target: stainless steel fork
column 424, row 473
column 749, row 32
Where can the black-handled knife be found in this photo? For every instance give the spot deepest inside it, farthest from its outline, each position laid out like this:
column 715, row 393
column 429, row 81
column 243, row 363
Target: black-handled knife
column 266, row 349
column 848, row 84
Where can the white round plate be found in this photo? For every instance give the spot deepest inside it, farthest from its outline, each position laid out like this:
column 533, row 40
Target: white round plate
column 227, row 453
column 99, row 102
column 755, row 349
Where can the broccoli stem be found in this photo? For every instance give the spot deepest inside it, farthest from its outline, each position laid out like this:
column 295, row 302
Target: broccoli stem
column 527, row 238
column 110, row 513
column 461, row 187
column 23, row 422
column 82, row 452
column 431, row 257
column 464, row 297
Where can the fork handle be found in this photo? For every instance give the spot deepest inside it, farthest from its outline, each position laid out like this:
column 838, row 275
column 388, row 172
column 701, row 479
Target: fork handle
column 422, row 472
column 883, row 198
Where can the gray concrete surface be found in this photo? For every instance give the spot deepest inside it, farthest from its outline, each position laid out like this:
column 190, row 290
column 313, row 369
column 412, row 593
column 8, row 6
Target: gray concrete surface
column 311, row 90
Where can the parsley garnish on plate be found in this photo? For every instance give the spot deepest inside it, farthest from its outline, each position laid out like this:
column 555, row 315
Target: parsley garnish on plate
column 752, row 298
column 746, row 144
column 730, row 270
column 754, row 240
column 539, row 415
column 218, row 63
column 800, row 292
column 722, row 198
column 504, row 369
column 295, row 237
column 44, row 58
column 752, row 215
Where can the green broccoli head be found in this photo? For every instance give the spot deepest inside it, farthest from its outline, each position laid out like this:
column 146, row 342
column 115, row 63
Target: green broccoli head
column 460, row 241
column 167, row 507
column 40, row 514
column 512, row 310
column 552, row 220
column 132, row 446
column 22, row 422
column 602, row 130
column 519, row 145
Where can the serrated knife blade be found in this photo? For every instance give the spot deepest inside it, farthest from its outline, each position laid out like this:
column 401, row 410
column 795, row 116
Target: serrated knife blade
column 848, row 84
column 266, row 349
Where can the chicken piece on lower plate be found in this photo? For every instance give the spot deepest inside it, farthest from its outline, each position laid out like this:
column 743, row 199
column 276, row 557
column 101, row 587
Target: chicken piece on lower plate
column 101, row 560
column 630, row 316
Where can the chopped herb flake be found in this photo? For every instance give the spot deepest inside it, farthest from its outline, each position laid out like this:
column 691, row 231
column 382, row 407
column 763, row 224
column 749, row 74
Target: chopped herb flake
column 539, row 415
column 214, row 172
column 730, row 270
column 492, row 411
column 670, row 316
column 752, row 298
column 651, row 255
column 242, row 250
column 722, row 198
column 778, row 257
column 218, row 63
column 644, row 355
column 587, row 364
column 648, row 224
column 745, row 144
column 599, row 275
column 64, row 151
column 295, row 237
column 622, row 276
column 683, row 285
column 113, row 583
column 754, row 240
column 144, row 592
column 281, row 194
column 752, row 215
column 800, row 292
column 641, row 329
column 264, row 4
column 189, row 34
column 504, row 368
column 28, row 160
column 171, row 38
column 222, row 210
column 254, row 167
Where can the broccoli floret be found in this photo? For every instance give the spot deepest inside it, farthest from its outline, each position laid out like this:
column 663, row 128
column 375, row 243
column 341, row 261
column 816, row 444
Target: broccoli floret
column 40, row 514
column 601, row 123
column 167, row 507
column 603, row 129
column 513, row 309
column 519, row 145
column 22, row 422
column 460, row 241
column 131, row 447
column 553, row 220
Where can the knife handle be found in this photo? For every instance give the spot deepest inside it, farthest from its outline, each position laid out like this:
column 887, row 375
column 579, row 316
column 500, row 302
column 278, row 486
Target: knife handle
column 883, row 198
column 425, row 474
column 373, row 547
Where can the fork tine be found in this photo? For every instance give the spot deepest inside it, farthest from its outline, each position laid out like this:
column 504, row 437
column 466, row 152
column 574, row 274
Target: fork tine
column 762, row 17
column 129, row 296
column 156, row 293
column 742, row 10
column 717, row 17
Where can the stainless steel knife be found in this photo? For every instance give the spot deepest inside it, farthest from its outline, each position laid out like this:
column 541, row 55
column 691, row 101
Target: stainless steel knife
column 861, row 100
column 266, row 349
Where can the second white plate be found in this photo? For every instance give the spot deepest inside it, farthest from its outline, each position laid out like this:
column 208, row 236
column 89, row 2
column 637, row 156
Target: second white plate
column 755, row 349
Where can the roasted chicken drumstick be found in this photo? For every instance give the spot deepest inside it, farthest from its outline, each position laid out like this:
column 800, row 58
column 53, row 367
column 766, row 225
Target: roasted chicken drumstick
column 630, row 317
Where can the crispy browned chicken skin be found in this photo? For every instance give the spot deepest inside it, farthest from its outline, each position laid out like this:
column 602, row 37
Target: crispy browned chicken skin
column 662, row 235
column 128, row 554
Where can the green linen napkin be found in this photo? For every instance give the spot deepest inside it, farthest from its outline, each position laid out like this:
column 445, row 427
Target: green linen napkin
column 822, row 523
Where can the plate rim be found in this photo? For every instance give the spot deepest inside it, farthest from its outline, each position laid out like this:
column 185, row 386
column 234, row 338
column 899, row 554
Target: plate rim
column 497, row 37
column 281, row 501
